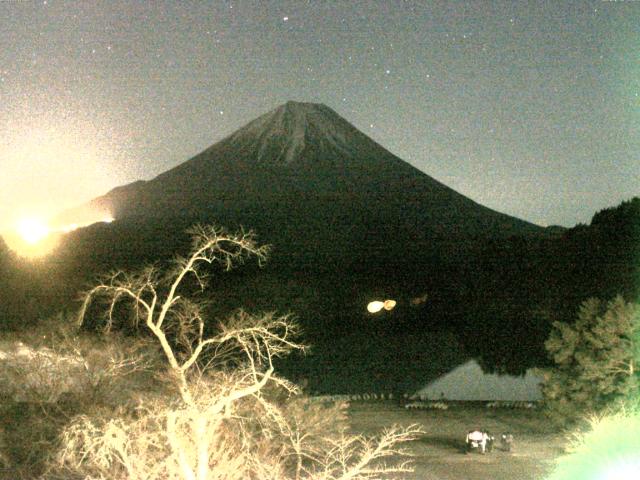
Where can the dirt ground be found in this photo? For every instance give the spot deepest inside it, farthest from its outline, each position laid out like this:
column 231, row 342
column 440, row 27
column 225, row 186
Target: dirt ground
column 439, row 453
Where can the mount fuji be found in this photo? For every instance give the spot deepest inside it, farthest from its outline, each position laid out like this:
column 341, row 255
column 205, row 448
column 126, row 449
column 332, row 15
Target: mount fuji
column 308, row 181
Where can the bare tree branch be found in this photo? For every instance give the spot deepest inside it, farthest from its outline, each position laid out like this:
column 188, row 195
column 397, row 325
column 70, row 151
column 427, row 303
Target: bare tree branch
column 222, row 424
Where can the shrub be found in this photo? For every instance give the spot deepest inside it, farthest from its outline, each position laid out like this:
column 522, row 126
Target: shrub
column 596, row 360
column 53, row 372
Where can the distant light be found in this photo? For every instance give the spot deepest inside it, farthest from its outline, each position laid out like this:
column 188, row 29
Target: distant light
column 74, row 226
column 419, row 300
column 389, row 304
column 284, row 19
column 377, row 305
column 32, row 230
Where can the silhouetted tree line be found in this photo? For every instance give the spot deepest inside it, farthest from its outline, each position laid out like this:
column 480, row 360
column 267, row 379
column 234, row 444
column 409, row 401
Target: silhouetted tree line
column 529, row 282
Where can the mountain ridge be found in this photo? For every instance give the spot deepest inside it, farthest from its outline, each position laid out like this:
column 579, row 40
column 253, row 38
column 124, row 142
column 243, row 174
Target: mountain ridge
column 306, row 152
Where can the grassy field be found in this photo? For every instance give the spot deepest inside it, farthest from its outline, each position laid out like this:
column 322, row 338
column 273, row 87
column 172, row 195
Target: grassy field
column 439, row 453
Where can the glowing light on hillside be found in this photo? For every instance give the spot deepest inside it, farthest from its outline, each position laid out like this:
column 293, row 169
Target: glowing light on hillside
column 70, row 228
column 32, row 230
column 377, row 305
column 74, row 226
column 32, row 237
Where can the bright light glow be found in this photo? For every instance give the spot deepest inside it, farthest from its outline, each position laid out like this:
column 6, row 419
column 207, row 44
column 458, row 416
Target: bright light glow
column 32, row 237
column 624, row 470
column 32, row 230
column 610, row 450
column 377, row 305
column 56, row 156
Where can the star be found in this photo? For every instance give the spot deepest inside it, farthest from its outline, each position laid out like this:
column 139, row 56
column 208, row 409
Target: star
column 353, row 49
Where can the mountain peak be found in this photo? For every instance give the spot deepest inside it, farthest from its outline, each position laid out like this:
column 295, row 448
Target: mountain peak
column 283, row 134
column 308, row 109
column 292, row 105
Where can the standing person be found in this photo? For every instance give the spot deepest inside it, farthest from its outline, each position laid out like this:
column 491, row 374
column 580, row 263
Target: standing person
column 506, row 441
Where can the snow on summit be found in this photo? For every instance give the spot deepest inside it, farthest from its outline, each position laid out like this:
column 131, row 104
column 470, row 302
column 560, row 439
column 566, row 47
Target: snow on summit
column 294, row 126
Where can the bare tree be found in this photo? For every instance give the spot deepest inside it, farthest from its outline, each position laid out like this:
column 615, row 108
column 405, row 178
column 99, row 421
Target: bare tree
column 224, row 420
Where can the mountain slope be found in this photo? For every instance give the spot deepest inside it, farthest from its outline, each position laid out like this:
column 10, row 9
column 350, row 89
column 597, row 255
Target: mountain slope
column 303, row 166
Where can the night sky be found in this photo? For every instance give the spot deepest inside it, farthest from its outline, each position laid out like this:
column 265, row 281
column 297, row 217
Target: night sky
column 530, row 108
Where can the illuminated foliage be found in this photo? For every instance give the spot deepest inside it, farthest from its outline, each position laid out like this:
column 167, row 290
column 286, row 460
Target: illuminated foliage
column 224, row 413
column 55, row 371
column 608, row 450
column 596, row 359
